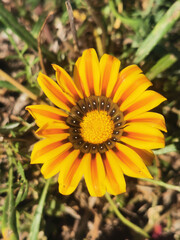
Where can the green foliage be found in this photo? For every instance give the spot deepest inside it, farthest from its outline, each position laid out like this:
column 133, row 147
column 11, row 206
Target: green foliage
column 10, row 22
column 9, row 227
column 164, row 63
column 38, row 213
column 169, row 148
column 7, row 85
column 162, row 27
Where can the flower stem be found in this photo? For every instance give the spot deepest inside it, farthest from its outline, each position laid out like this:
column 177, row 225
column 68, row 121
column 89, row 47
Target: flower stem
column 124, row 220
column 162, row 184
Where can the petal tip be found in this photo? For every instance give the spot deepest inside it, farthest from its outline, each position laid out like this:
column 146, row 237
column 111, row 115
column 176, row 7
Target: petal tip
column 148, row 175
column 27, row 108
column 40, row 76
column 55, row 67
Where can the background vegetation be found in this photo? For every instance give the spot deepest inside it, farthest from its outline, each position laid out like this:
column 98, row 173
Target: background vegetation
column 144, row 32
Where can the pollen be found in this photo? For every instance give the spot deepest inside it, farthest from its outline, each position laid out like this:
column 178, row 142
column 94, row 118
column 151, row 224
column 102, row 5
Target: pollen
column 96, row 127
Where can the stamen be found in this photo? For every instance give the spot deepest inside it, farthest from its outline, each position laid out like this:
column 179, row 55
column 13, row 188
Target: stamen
column 96, row 127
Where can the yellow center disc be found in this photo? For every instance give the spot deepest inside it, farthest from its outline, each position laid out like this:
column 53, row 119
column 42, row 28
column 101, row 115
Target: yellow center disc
column 96, row 127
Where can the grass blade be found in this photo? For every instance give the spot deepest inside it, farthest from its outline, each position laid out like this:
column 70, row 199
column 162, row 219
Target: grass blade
column 38, row 214
column 9, row 227
column 161, row 28
column 164, row 63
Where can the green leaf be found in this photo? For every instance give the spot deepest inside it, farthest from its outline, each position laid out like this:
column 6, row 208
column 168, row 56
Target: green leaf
column 23, row 191
column 8, row 127
column 38, row 213
column 164, row 63
column 162, row 27
column 20, row 170
column 22, row 194
column 7, row 85
column 174, row 147
column 9, row 227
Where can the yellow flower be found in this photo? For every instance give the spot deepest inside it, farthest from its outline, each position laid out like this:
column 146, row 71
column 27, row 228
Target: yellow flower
column 101, row 128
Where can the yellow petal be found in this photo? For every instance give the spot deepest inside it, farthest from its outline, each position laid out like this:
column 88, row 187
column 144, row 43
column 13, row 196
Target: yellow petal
column 71, row 173
column 115, row 182
column 94, row 174
column 145, row 102
column 55, row 93
column 146, row 155
column 151, row 119
column 66, row 83
column 54, row 163
column 53, row 129
column 129, row 161
column 132, row 87
column 47, row 148
column 109, row 68
column 76, row 76
column 44, row 113
column 142, row 136
column 89, row 73
column 131, row 70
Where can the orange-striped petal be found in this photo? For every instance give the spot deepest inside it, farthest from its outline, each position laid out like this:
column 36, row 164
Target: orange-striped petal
column 66, row 83
column 109, row 69
column 130, row 162
column 44, row 113
column 145, row 102
column 132, row 70
column 55, row 93
column 76, row 76
column 152, row 119
column 53, row 129
column 94, row 174
column 132, row 87
column 71, row 173
column 89, row 73
column 55, row 163
column 146, row 155
column 48, row 148
column 142, row 136
column 115, row 182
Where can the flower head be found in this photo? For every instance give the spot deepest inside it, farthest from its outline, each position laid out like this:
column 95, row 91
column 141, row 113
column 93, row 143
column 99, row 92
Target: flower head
column 102, row 127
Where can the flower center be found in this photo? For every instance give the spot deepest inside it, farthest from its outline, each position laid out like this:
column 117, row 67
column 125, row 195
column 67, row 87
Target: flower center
column 95, row 124
column 96, row 127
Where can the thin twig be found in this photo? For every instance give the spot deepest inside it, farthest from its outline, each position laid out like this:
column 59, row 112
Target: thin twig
column 72, row 25
column 11, row 80
column 124, row 220
column 39, row 42
column 19, row 86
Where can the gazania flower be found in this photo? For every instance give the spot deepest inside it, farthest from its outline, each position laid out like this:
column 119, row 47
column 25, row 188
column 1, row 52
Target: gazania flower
column 102, row 127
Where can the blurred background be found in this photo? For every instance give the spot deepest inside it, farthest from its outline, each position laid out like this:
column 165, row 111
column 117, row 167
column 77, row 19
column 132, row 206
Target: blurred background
column 33, row 35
